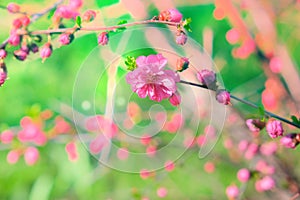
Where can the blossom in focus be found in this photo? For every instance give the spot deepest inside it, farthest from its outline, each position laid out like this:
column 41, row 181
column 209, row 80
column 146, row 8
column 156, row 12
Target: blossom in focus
column 181, row 38
column 46, row 51
column 223, row 97
column 207, row 77
column 274, row 128
column 151, row 79
column 171, row 15
column 255, row 125
column 103, row 38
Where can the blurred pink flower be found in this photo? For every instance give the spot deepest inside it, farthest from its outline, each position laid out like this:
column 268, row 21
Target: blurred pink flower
column 232, row 191
column 13, row 156
column 151, row 79
column 169, row 165
column 122, row 153
column 274, row 128
column 71, row 150
column 268, row 148
column 162, row 192
column 243, row 175
column 223, row 97
column 266, row 183
column 290, row 140
column 31, row 155
column 13, row 8
column 209, row 167
column 171, row 15
column 6, row 136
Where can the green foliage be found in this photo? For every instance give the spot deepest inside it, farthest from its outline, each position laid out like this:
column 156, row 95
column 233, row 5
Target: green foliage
column 295, row 120
column 130, row 63
column 121, row 28
column 78, row 21
column 103, row 3
column 186, row 24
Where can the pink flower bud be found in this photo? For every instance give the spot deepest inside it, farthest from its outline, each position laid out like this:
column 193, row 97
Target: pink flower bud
column 251, row 151
column 209, row 167
column 31, row 155
column 66, row 38
column 255, row 125
column 243, row 144
column 34, row 48
column 266, row 183
column 181, row 38
column 20, row 54
column 3, row 54
column 243, row 175
column 46, row 51
column 144, row 173
column 151, row 151
column 233, row 36
column 14, row 39
column 290, row 140
column 169, row 166
column 175, row 99
column 17, row 23
column 232, row 191
column 66, row 12
column 25, row 48
column 268, row 148
column 6, row 136
column 223, row 97
column 264, row 168
column 25, row 21
column 274, row 128
column 207, row 77
column 174, row 15
column 182, row 64
column 71, row 151
column 89, row 16
column 3, row 73
column 13, row 8
column 103, row 38
column 162, row 192
column 13, row 156
column 146, row 139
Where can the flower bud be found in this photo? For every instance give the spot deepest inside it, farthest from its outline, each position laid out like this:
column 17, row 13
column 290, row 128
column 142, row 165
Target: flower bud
column 14, row 39
column 46, row 51
column 25, row 48
column 243, row 175
column 182, row 64
column 3, row 73
column 17, row 23
column 25, row 21
column 207, row 77
column 34, row 48
column 3, row 54
column 66, row 38
column 31, row 155
column 232, row 191
column 274, row 128
column 89, row 16
column 175, row 99
column 171, row 15
column 181, row 38
column 223, row 97
column 290, row 140
column 255, row 125
column 103, row 38
column 13, row 8
column 20, row 54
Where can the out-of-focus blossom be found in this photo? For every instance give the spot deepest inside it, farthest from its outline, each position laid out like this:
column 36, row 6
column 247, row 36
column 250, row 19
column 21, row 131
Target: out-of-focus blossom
column 223, row 97
column 243, row 175
column 232, row 191
column 255, row 125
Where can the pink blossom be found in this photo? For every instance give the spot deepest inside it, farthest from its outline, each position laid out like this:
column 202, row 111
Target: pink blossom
column 14, row 39
column 251, row 151
column 99, row 123
column 175, row 99
column 174, row 15
column 232, row 191
column 209, row 167
column 46, row 51
column 6, row 136
column 255, row 125
column 71, row 150
column 144, row 173
column 233, row 36
column 65, row 38
column 181, row 38
column 25, row 20
column 268, row 148
column 275, row 64
column 31, row 155
column 89, row 16
column 274, row 128
column 3, row 54
column 243, row 144
column 290, row 140
column 243, row 175
column 264, row 168
column 75, row 4
column 103, row 38
column 20, row 54
column 13, row 8
column 3, row 73
column 169, row 166
column 66, row 12
column 162, row 192
column 223, row 97
column 207, row 77
column 266, row 183
column 13, row 156
column 123, row 153
column 145, row 139
column 201, row 140
column 182, row 64
column 17, row 23
column 151, row 151
column 151, row 79
column 98, row 144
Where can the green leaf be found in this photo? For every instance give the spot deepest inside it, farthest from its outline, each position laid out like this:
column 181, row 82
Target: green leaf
column 78, row 21
column 51, row 13
column 130, row 63
column 295, row 119
column 122, row 28
column 103, row 3
column 186, row 24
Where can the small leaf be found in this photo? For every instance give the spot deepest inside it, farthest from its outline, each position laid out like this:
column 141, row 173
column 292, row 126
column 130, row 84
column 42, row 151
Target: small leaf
column 121, row 28
column 78, row 21
column 130, row 63
column 51, row 13
column 295, row 119
column 186, row 24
